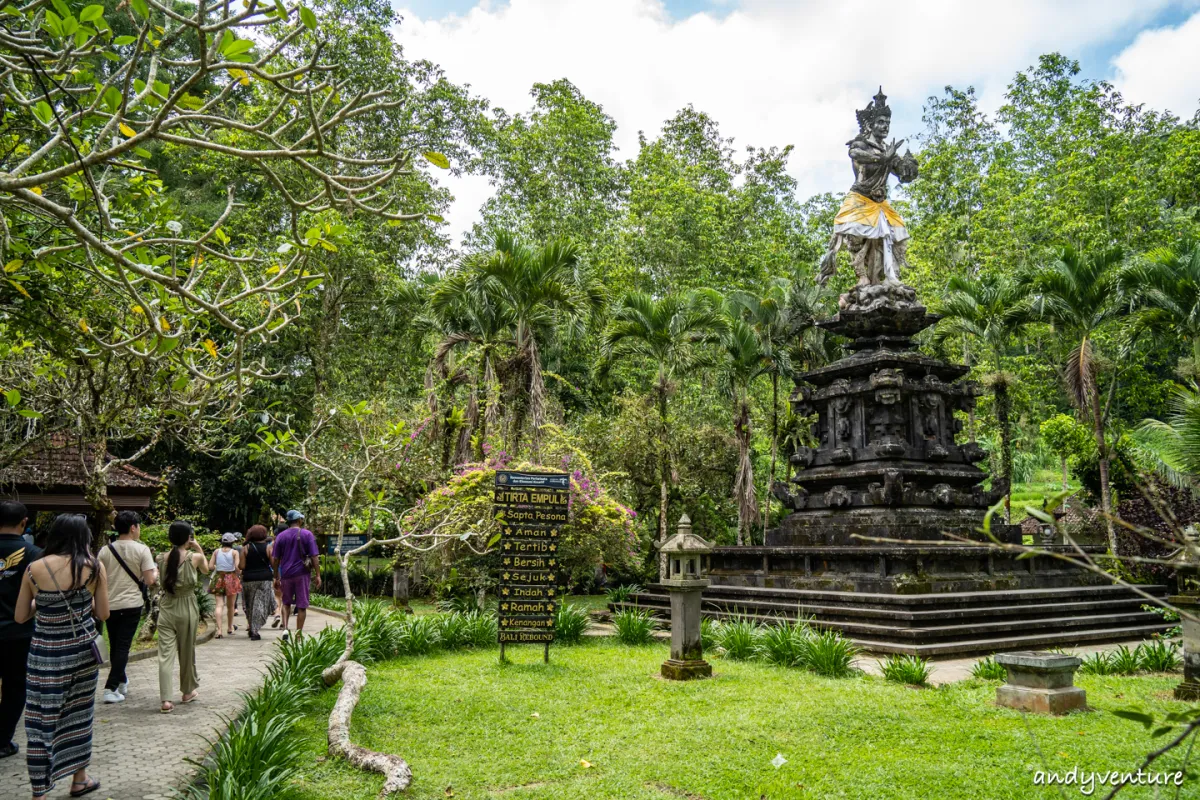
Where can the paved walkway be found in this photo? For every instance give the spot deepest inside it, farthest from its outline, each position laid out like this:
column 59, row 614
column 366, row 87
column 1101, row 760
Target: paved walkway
column 138, row 753
column 949, row 670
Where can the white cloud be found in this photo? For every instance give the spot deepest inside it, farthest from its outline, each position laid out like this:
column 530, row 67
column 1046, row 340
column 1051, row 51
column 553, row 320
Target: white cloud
column 1161, row 68
column 771, row 72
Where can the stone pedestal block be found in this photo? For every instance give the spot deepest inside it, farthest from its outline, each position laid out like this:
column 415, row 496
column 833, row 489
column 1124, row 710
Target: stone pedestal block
column 1040, row 682
column 1189, row 690
column 686, row 670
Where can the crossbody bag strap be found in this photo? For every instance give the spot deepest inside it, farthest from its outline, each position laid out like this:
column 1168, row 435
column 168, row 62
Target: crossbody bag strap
column 67, row 603
column 137, row 580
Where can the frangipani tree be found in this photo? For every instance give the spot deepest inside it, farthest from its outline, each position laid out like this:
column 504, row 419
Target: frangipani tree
column 349, row 450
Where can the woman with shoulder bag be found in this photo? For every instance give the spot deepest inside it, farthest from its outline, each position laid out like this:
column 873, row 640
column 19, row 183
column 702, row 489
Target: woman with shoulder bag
column 71, row 591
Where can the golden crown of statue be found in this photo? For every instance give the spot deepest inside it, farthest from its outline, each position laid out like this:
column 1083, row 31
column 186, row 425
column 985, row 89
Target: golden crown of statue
column 878, row 107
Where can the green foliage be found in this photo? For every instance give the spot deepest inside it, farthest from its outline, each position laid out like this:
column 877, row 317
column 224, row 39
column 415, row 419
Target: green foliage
column 830, row 654
column 1100, row 663
column 709, row 631
column 155, row 537
column 912, row 670
column 634, row 626
column 206, row 604
column 1158, row 656
column 571, row 622
column 738, row 639
column 784, row 644
column 621, row 594
column 989, row 669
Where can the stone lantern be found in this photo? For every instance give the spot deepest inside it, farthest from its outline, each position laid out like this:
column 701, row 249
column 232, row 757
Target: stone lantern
column 686, row 555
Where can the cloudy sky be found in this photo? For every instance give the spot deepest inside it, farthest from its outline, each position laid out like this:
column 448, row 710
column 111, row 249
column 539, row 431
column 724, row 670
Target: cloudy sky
column 774, row 72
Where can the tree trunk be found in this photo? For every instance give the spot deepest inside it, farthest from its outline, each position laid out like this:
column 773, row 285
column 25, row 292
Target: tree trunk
column 400, row 585
column 774, row 450
column 743, row 487
column 1064, row 474
column 537, row 401
column 1102, row 452
column 665, row 475
column 396, row 771
column 1003, row 405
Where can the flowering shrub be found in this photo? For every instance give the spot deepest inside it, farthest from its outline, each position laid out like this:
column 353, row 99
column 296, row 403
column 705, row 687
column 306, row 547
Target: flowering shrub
column 600, row 530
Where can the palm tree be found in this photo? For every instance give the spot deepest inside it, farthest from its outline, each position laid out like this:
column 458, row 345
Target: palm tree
column 784, row 320
column 464, row 319
column 992, row 310
column 667, row 332
column 538, row 292
column 1080, row 295
column 745, row 360
column 1174, row 445
column 1164, row 288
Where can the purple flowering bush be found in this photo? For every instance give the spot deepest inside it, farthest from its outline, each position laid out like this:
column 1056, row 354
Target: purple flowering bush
column 601, row 529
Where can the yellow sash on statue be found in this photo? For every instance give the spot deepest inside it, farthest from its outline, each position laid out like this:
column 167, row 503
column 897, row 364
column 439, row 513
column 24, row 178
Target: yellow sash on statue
column 859, row 213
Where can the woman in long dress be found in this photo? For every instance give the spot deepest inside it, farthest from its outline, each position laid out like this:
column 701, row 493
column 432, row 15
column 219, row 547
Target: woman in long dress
column 257, row 579
column 178, row 614
column 71, row 590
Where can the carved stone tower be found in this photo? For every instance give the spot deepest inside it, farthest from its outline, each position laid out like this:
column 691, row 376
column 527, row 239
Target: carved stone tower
column 888, row 464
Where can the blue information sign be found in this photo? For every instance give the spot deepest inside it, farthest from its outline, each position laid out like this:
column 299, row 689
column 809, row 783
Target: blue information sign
column 349, row 542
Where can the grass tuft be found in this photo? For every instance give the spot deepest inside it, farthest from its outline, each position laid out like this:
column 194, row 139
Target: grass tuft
column 912, row 670
column 571, row 622
column 635, row 626
column 988, row 669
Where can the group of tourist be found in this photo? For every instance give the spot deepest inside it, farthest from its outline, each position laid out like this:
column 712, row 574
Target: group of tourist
column 55, row 598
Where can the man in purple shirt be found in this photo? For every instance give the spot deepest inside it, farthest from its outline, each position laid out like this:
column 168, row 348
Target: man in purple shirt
column 294, row 554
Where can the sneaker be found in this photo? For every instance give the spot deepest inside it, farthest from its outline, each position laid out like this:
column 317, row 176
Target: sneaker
column 113, row 697
column 275, row 622
column 284, row 638
column 10, row 749
column 123, row 688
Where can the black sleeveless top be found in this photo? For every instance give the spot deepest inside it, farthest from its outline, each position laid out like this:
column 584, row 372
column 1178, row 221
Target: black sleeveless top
column 258, row 566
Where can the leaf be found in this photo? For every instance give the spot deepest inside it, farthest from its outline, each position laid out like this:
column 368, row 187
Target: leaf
column 308, row 18
column 211, row 347
column 83, row 326
column 237, row 47
column 62, row 8
column 143, row 152
column 437, row 159
column 240, row 76
column 164, row 323
column 141, row 8
column 13, row 266
column 434, row 218
column 29, row 413
column 91, row 13
column 585, row 764
column 166, row 344
column 43, row 112
column 125, row 129
column 180, row 383
column 20, row 289
column 121, row 41
column 138, row 310
column 492, row 541
column 13, row 396
column 1135, row 716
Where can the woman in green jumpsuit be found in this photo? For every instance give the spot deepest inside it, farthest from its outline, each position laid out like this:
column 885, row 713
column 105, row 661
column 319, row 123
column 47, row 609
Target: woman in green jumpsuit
column 178, row 616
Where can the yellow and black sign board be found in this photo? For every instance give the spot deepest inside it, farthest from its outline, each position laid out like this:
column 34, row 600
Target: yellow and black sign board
column 532, row 507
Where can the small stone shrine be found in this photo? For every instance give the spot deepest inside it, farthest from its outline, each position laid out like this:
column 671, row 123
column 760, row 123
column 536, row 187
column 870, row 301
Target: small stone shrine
column 687, row 556
column 883, row 538
column 1042, row 683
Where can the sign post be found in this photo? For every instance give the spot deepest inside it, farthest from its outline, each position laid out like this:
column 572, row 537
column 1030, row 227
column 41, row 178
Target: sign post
column 531, row 508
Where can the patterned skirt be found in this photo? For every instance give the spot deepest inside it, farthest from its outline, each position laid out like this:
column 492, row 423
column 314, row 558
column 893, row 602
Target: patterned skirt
column 61, row 689
column 258, row 596
column 226, row 583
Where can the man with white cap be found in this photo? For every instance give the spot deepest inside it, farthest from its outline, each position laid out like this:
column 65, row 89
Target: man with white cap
column 294, row 556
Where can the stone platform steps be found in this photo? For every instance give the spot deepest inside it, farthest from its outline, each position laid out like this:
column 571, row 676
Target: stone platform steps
column 944, row 624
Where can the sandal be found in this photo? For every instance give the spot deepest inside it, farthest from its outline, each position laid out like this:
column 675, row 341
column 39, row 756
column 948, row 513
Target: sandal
column 189, row 698
column 167, row 707
column 219, row 636
column 89, row 786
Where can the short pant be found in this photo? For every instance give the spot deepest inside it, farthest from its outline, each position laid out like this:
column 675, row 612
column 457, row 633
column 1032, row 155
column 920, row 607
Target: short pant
column 295, row 591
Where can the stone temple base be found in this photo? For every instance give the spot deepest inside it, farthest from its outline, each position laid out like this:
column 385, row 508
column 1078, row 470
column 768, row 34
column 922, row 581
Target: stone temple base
column 1040, row 682
column 1042, row 701
column 1188, row 691
column 686, row 670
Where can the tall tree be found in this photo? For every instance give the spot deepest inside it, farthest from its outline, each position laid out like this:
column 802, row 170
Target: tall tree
column 668, row 332
column 1080, row 295
column 542, row 293
column 745, row 358
column 992, row 310
column 1164, row 287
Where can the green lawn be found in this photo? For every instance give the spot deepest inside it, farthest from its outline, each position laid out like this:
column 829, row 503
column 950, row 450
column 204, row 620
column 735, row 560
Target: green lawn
column 473, row 728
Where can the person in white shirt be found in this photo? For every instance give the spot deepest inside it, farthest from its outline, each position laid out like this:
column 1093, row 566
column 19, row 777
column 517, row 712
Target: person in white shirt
column 131, row 571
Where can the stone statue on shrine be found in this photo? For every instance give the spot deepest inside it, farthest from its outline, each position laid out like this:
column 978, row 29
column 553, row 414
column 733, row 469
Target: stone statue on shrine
column 866, row 224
